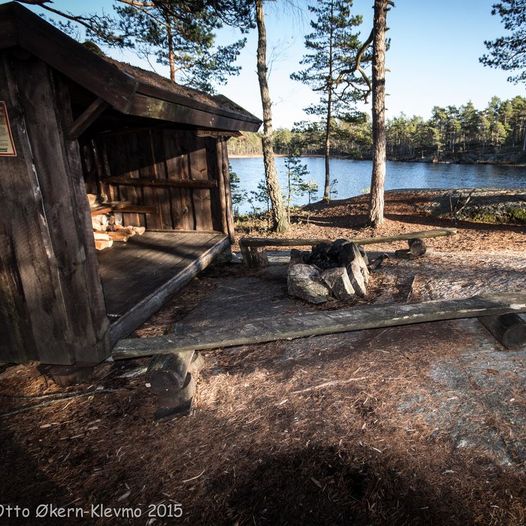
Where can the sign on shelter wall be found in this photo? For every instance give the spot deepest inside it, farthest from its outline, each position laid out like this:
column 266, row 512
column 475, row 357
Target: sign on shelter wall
column 7, row 145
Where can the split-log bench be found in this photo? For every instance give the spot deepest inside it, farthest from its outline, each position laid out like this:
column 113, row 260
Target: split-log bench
column 284, row 327
column 253, row 256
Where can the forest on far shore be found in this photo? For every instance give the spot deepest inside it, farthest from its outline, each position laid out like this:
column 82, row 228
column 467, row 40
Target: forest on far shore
column 496, row 133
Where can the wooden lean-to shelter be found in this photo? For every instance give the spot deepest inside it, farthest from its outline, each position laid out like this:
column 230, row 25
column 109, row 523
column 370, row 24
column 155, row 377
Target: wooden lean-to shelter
column 74, row 123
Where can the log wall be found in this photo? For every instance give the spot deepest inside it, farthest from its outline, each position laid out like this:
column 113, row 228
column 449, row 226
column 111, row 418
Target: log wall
column 51, row 302
column 171, row 177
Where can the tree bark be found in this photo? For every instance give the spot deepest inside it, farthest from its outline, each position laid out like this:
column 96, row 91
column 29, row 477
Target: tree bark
column 376, row 205
column 171, row 54
column 327, row 189
column 279, row 215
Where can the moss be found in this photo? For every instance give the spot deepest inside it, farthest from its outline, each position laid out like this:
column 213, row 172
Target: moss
column 517, row 215
column 487, row 217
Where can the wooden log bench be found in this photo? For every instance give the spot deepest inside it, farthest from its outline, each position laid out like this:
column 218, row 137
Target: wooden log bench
column 319, row 323
column 252, row 248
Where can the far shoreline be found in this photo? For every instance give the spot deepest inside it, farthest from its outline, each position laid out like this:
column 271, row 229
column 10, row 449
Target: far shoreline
column 424, row 161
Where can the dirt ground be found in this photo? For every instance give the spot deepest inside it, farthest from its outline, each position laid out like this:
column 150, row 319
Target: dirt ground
column 424, row 424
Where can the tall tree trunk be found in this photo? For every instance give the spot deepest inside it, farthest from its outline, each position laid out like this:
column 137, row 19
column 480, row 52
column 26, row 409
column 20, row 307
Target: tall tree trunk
column 279, row 215
column 327, row 189
column 171, row 54
column 376, row 205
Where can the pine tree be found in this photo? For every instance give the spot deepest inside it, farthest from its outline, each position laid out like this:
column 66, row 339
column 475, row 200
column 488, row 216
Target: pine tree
column 296, row 172
column 332, row 49
column 178, row 33
column 181, row 34
column 509, row 52
column 279, row 216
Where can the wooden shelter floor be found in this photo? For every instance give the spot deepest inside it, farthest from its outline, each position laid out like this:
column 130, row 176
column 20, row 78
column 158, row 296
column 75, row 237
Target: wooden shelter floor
column 132, row 271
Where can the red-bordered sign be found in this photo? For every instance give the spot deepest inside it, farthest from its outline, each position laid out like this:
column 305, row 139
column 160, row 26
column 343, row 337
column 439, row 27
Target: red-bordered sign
column 7, row 145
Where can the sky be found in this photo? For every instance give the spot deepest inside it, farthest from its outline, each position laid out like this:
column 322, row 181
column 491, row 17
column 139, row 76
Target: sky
column 433, row 59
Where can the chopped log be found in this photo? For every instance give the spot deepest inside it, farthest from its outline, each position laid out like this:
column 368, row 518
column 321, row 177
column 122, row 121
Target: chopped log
column 254, row 257
column 139, row 230
column 92, row 200
column 101, row 236
column 319, row 323
column 100, row 210
column 101, row 244
column 168, row 372
column 508, row 329
column 417, row 247
column 121, row 235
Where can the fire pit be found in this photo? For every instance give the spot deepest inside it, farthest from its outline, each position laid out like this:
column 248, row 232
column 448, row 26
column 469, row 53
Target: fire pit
column 330, row 270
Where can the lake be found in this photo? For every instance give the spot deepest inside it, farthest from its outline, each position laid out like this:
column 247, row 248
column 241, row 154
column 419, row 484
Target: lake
column 354, row 177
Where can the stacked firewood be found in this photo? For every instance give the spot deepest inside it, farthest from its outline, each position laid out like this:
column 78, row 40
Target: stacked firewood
column 107, row 227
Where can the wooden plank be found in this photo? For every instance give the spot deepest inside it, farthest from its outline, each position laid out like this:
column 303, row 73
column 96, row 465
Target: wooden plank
column 150, row 261
column 228, row 192
column 296, row 242
column 31, row 285
column 66, row 208
column 213, row 174
column 87, row 118
column 146, row 163
column 141, row 181
column 8, row 33
column 153, row 108
column 177, row 169
column 42, row 253
column 319, row 323
column 152, row 303
column 164, row 197
column 85, row 299
column 129, row 208
column 199, row 172
column 217, row 134
column 220, row 144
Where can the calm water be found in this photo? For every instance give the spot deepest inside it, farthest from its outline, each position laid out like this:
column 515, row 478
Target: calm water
column 354, row 176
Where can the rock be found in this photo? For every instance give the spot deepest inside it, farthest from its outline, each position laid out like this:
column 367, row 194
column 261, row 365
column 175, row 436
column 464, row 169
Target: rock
column 360, row 261
column 357, row 278
column 298, row 256
column 364, row 254
column 346, row 254
column 338, row 281
column 304, row 282
column 320, row 256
